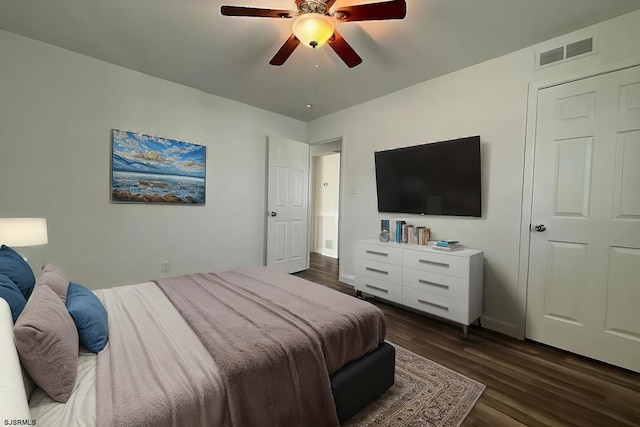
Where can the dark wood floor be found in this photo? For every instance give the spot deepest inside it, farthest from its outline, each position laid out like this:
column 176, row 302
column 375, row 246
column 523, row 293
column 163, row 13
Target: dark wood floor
column 527, row 383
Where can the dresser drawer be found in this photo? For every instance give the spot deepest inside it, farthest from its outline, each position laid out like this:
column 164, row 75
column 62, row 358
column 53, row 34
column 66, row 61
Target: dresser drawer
column 438, row 305
column 447, row 286
column 429, row 260
column 381, row 253
column 379, row 288
column 379, row 270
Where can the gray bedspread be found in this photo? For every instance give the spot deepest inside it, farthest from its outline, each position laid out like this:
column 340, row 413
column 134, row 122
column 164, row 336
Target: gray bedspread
column 270, row 342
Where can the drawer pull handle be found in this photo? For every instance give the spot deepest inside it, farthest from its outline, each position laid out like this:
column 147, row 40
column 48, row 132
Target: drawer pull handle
column 441, row 307
column 375, row 270
column 439, row 264
column 377, row 288
column 377, row 253
column 437, row 285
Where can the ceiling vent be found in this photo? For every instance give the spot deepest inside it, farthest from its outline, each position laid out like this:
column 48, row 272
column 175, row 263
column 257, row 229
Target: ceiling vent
column 565, row 53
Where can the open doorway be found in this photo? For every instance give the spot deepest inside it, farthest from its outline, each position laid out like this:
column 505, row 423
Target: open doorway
column 325, row 198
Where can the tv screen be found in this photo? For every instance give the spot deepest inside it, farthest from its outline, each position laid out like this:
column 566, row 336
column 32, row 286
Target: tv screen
column 440, row 178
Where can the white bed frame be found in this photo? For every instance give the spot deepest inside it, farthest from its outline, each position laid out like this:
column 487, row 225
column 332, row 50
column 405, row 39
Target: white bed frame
column 13, row 392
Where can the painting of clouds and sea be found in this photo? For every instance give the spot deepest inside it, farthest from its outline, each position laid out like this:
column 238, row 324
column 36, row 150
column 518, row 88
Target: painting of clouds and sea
column 150, row 169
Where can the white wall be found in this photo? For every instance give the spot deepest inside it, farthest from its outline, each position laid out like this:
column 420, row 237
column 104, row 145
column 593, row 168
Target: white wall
column 489, row 99
column 56, row 112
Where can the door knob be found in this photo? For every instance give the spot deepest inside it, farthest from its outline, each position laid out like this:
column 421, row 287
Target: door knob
column 539, row 228
column 273, row 213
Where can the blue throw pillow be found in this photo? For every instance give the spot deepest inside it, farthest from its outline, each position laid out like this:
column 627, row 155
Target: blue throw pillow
column 16, row 268
column 89, row 315
column 10, row 292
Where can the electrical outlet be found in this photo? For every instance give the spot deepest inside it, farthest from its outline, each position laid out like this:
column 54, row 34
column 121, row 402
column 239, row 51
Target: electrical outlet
column 165, row 266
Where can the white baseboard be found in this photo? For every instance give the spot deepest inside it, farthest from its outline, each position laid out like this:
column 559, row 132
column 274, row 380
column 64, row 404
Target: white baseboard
column 499, row 326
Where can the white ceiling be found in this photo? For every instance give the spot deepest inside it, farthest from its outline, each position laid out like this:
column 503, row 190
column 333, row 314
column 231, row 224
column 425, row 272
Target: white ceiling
column 190, row 42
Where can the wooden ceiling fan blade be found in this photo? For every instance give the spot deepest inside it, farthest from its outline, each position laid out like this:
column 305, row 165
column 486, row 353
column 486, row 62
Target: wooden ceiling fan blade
column 395, row 9
column 255, row 12
column 329, row 3
column 344, row 50
column 285, row 51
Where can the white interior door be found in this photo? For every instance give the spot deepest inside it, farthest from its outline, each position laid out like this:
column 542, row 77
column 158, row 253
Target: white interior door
column 584, row 269
column 287, row 204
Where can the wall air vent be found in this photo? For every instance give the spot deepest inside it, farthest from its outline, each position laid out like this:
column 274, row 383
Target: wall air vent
column 580, row 48
column 565, row 53
column 551, row 56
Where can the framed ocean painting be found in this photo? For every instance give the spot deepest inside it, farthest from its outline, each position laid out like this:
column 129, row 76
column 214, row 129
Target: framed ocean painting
column 151, row 169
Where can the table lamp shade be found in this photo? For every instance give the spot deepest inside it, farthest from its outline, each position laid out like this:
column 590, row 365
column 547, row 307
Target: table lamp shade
column 17, row 232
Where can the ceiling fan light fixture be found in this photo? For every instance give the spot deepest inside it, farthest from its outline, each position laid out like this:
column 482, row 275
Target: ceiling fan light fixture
column 313, row 29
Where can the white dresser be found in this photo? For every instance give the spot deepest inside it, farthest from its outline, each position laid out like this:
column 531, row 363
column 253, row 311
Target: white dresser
column 445, row 284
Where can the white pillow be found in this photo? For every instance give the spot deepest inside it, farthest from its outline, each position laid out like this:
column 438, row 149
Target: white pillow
column 13, row 398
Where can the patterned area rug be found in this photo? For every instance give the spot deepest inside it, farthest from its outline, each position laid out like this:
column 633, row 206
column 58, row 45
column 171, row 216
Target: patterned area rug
column 424, row 394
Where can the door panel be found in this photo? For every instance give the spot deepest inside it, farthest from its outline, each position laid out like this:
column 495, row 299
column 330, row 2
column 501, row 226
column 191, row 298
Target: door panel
column 282, row 187
column 564, row 282
column 298, row 238
column 575, row 115
column 629, row 107
column 583, row 288
column 623, row 293
column 627, row 176
column 280, row 241
column 573, row 172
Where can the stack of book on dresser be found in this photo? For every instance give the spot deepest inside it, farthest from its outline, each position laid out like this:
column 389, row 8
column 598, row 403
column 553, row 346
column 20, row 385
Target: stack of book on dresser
column 408, row 233
column 448, row 245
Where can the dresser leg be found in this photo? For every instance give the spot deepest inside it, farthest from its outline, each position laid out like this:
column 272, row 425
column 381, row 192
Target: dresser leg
column 465, row 331
column 359, row 295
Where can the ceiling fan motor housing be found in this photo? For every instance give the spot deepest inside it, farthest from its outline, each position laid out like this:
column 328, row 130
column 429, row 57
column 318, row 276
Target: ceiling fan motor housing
column 312, row 6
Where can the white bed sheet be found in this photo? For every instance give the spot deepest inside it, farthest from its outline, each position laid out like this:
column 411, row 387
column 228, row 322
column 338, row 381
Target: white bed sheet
column 80, row 409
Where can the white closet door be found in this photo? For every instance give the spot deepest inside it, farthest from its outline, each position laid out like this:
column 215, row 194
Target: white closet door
column 584, row 268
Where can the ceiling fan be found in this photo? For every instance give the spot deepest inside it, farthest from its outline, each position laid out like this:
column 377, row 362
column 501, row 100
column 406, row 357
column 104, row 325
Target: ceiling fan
column 314, row 24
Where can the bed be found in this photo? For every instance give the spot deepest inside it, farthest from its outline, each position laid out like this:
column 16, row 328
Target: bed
column 238, row 348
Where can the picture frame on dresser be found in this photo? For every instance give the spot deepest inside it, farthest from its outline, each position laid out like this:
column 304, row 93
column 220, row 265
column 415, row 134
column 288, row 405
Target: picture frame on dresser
column 444, row 284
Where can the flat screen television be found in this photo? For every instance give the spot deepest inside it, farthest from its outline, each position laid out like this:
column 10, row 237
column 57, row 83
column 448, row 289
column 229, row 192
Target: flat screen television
column 439, row 178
